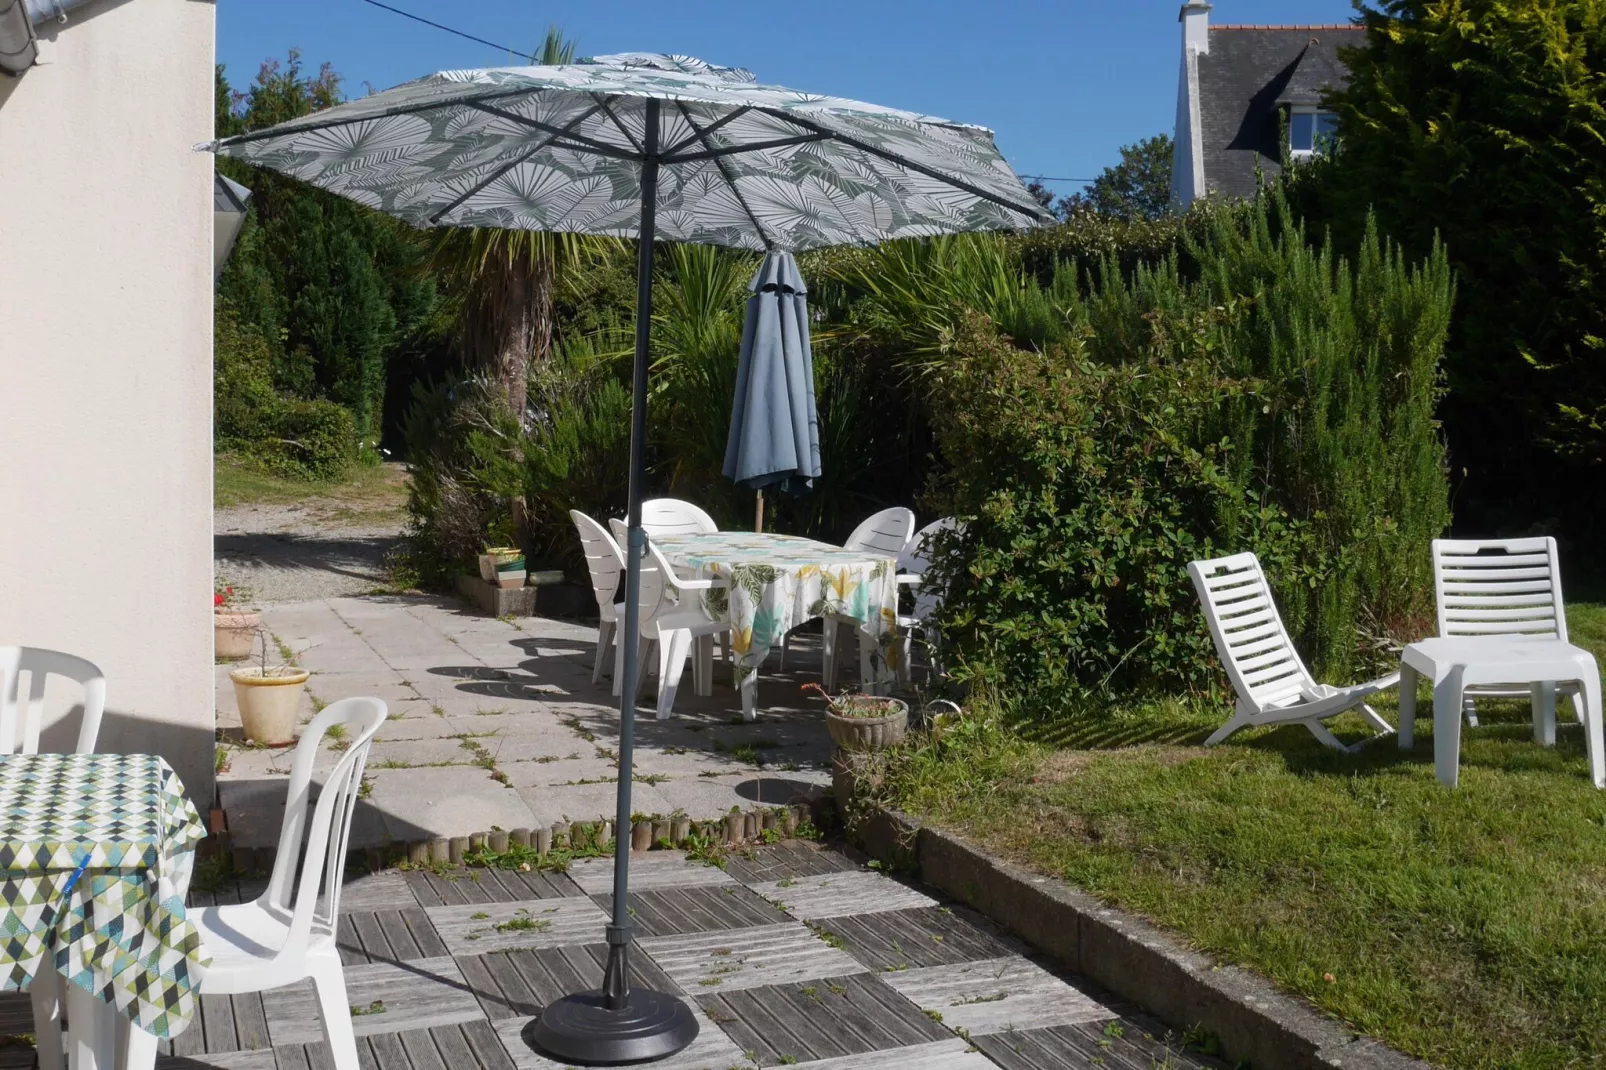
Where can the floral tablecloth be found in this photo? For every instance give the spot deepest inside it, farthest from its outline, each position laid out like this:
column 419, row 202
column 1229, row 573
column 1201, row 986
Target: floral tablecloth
column 95, row 852
column 779, row 581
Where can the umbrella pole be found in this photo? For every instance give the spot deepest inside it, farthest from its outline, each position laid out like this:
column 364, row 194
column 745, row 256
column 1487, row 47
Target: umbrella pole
column 758, row 515
column 618, row 1024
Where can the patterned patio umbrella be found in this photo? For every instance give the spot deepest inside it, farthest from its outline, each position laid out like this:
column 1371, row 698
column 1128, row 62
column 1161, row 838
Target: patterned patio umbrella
column 645, row 146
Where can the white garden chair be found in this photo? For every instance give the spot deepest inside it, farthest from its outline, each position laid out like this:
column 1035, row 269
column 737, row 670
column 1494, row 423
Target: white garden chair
column 671, row 516
column 913, row 564
column 606, row 561
column 288, row 934
column 1271, row 681
column 1505, row 587
column 20, row 726
column 672, row 622
column 885, row 534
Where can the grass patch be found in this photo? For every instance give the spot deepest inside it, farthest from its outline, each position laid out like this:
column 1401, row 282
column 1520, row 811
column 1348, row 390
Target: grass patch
column 1467, row 927
column 367, row 493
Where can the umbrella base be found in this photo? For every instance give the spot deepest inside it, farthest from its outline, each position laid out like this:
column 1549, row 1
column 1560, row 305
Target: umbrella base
column 581, row 1029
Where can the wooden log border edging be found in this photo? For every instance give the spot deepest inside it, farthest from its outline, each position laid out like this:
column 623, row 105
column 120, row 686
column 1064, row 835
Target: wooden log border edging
column 1129, row 956
column 677, row 831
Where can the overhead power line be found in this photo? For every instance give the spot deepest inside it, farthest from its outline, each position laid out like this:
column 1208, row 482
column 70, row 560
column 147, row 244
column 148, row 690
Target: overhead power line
column 448, row 29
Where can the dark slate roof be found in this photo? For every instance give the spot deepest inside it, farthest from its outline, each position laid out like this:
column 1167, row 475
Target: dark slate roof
column 1248, row 72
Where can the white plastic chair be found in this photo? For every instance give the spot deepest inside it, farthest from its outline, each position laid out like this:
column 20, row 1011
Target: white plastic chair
column 288, row 934
column 1272, row 683
column 605, row 561
column 19, row 734
column 912, row 566
column 671, row 516
column 1505, row 587
column 885, row 534
column 673, row 621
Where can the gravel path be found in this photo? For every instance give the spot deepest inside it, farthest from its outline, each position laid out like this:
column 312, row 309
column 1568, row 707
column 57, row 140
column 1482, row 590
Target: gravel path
column 296, row 552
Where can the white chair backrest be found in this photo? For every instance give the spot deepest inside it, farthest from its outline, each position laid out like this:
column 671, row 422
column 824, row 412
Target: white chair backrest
column 916, row 559
column 20, row 725
column 671, row 516
column 323, row 866
column 604, row 559
column 1250, row 639
column 886, row 533
column 656, row 595
column 1499, row 587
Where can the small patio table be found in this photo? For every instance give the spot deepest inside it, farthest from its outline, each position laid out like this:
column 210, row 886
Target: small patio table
column 780, row 581
column 1453, row 663
column 96, row 852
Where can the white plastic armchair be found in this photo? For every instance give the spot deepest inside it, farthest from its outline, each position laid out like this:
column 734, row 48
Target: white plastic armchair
column 20, row 725
column 673, row 622
column 1505, row 587
column 1272, row 683
column 671, row 516
column 913, row 564
column 605, row 561
column 885, row 534
column 288, row 934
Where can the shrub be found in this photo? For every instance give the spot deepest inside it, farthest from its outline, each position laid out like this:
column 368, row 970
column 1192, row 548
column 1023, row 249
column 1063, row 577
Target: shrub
column 1280, row 402
column 304, row 439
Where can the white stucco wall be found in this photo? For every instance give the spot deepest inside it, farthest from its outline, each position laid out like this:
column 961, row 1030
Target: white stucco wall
column 106, row 366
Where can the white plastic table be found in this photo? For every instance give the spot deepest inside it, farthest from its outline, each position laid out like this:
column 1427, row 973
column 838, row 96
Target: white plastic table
column 1456, row 662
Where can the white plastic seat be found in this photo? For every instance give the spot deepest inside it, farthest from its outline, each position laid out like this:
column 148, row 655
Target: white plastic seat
column 19, row 734
column 1272, row 683
column 288, row 934
column 606, row 561
column 913, row 564
column 671, row 516
column 673, row 621
column 1505, row 587
column 883, row 534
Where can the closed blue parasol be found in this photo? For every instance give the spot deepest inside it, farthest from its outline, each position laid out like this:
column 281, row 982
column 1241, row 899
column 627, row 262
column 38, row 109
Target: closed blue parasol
column 775, row 431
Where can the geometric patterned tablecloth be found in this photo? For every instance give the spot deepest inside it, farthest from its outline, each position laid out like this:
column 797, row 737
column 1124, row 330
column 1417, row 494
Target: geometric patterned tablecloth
column 119, row 931
column 779, row 581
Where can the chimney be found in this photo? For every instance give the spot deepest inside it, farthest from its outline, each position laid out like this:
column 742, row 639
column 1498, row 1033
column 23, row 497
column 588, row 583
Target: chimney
column 1195, row 19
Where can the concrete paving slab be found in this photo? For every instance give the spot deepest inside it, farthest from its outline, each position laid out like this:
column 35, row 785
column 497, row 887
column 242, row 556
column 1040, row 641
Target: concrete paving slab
column 567, row 772
column 587, row 802
column 386, row 755
column 449, row 801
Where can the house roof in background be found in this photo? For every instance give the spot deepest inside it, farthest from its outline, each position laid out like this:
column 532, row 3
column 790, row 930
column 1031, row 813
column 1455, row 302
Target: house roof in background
column 1247, row 73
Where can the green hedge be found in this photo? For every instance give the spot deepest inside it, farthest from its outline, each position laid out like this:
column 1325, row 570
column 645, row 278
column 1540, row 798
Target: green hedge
column 304, row 439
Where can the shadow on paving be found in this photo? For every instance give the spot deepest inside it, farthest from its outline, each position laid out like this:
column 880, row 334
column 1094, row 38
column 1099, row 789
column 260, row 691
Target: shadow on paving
column 355, row 557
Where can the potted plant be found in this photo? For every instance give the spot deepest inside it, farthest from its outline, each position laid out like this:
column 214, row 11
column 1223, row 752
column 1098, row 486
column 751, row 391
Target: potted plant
column 859, row 722
column 508, row 561
column 269, row 698
column 233, row 628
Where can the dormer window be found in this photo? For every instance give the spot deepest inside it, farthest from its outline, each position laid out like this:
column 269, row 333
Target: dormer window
column 1310, row 130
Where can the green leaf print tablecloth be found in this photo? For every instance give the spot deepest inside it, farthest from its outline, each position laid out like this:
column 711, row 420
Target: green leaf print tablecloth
column 119, row 931
column 779, row 581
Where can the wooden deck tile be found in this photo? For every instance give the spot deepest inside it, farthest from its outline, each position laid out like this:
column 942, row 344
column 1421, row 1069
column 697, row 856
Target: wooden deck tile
column 415, row 995
column 668, row 911
column 996, row 995
column 835, row 894
column 823, row 1019
column 702, row 963
column 480, row 928
column 783, row 860
column 927, row 936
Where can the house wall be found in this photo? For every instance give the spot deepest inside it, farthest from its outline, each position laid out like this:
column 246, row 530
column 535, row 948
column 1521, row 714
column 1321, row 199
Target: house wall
column 106, row 367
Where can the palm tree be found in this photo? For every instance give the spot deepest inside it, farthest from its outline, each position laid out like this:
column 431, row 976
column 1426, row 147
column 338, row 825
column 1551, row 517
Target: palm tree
column 506, row 277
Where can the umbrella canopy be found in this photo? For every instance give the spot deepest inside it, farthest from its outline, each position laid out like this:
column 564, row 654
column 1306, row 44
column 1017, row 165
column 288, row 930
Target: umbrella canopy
column 645, row 146
column 775, row 431
column 561, row 149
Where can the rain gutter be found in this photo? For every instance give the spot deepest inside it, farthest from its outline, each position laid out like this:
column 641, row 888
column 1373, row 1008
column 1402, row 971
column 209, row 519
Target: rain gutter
column 19, row 44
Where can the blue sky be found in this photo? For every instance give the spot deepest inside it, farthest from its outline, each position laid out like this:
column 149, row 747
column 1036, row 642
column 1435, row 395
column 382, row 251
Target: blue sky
column 1064, row 84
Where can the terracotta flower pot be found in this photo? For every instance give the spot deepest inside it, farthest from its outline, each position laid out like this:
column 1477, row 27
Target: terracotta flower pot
column 233, row 632
column 870, row 733
column 269, row 703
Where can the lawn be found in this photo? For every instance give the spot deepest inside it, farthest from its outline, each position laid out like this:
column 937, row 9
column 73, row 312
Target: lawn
column 1467, row 927
column 369, row 494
